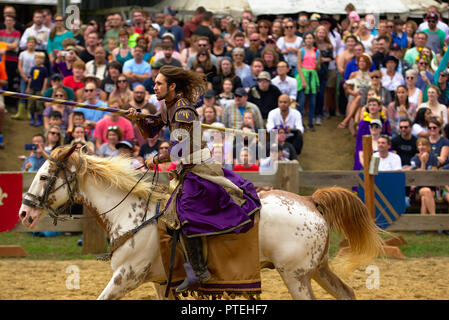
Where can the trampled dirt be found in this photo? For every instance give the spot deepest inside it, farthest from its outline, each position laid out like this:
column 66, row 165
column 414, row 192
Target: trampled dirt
column 386, row 279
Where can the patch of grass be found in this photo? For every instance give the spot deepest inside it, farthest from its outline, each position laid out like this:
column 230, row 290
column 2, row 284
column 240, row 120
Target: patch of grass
column 429, row 244
column 62, row 247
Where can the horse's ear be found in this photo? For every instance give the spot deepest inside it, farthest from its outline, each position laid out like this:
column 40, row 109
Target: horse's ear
column 68, row 153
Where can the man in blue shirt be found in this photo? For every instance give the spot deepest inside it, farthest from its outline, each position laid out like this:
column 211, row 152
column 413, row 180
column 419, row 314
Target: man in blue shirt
column 37, row 157
column 351, row 66
column 92, row 116
column 137, row 70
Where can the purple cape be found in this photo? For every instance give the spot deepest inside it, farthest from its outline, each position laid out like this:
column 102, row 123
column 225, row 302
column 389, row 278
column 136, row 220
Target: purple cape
column 205, row 208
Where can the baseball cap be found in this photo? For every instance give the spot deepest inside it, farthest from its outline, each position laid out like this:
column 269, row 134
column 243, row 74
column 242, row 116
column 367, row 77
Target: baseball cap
column 264, row 75
column 395, row 46
column 56, row 76
column 130, row 22
column 241, row 92
column 209, row 94
column 432, row 16
column 125, row 143
column 168, row 34
column 270, row 39
column 376, row 121
column 156, row 26
column 156, row 65
column 315, row 17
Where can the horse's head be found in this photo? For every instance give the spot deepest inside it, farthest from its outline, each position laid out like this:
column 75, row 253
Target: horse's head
column 53, row 186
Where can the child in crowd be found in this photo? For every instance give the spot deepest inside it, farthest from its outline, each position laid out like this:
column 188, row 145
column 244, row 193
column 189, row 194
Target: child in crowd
column 36, row 86
column 26, row 63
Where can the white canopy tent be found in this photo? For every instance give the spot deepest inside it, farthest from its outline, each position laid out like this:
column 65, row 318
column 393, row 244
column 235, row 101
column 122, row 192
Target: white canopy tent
column 260, row 7
column 413, row 8
column 36, row 2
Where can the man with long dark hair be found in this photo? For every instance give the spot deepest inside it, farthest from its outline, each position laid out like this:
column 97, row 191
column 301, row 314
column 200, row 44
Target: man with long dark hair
column 208, row 199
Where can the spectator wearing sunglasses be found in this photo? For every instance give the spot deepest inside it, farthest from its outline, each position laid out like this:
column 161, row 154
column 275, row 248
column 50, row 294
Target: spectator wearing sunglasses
column 404, row 144
column 56, row 82
column 53, row 138
column 65, row 111
column 91, row 95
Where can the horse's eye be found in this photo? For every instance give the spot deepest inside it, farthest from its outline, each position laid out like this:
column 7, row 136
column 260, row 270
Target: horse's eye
column 44, row 178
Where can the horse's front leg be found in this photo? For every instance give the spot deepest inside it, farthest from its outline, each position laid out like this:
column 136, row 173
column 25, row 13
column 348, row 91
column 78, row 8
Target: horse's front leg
column 124, row 279
column 160, row 292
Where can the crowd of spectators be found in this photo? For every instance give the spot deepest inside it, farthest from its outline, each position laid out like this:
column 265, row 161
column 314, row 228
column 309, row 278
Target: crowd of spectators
column 386, row 77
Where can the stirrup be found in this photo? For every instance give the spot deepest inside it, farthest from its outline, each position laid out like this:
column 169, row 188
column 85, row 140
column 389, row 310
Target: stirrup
column 191, row 281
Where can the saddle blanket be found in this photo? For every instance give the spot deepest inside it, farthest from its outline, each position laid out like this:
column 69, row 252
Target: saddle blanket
column 232, row 259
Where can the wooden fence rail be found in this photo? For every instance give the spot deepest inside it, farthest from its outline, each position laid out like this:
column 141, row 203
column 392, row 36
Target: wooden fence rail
column 289, row 178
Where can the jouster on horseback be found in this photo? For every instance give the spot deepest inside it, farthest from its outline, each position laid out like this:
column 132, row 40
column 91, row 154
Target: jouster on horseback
column 293, row 230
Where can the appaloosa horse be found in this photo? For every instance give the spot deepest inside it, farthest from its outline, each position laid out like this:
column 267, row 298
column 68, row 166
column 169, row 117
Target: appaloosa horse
column 293, row 230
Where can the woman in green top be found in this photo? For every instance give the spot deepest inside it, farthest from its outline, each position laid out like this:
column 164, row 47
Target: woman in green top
column 307, row 77
column 58, row 34
column 122, row 53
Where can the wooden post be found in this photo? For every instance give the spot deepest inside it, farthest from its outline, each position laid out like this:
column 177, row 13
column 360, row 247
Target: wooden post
column 287, row 176
column 389, row 247
column 94, row 237
column 368, row 179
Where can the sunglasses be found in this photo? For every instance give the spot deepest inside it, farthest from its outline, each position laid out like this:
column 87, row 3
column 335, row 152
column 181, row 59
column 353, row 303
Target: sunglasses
column 52, row 132
column 404, row 127
column 161, row 148
column 375, row 77
column 202, row 45
column 289, row 27
column 374, row 126
column 390, row 27
column 423, row 63
column 409, row 78
column 431, row 128
column 112, row 128
column 263, row 27
column 122, row 81
column 59, row 20
column 254, row 40
column 59, row 96
column 89, row 90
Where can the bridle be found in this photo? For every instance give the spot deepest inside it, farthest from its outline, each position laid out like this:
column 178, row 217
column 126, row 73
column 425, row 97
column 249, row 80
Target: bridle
column 42, row 202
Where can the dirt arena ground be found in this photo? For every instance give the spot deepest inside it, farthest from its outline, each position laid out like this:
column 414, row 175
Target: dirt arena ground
column 413, row 279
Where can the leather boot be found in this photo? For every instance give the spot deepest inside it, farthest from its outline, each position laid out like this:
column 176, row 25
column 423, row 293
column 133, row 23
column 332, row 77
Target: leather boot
column 196, row 268
column 21, row 112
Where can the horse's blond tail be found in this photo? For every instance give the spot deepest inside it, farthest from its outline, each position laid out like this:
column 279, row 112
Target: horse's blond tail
column 347, row 214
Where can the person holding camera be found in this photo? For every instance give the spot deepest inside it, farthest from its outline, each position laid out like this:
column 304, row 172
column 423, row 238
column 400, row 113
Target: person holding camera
column 64, row 61
column 38, row 156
